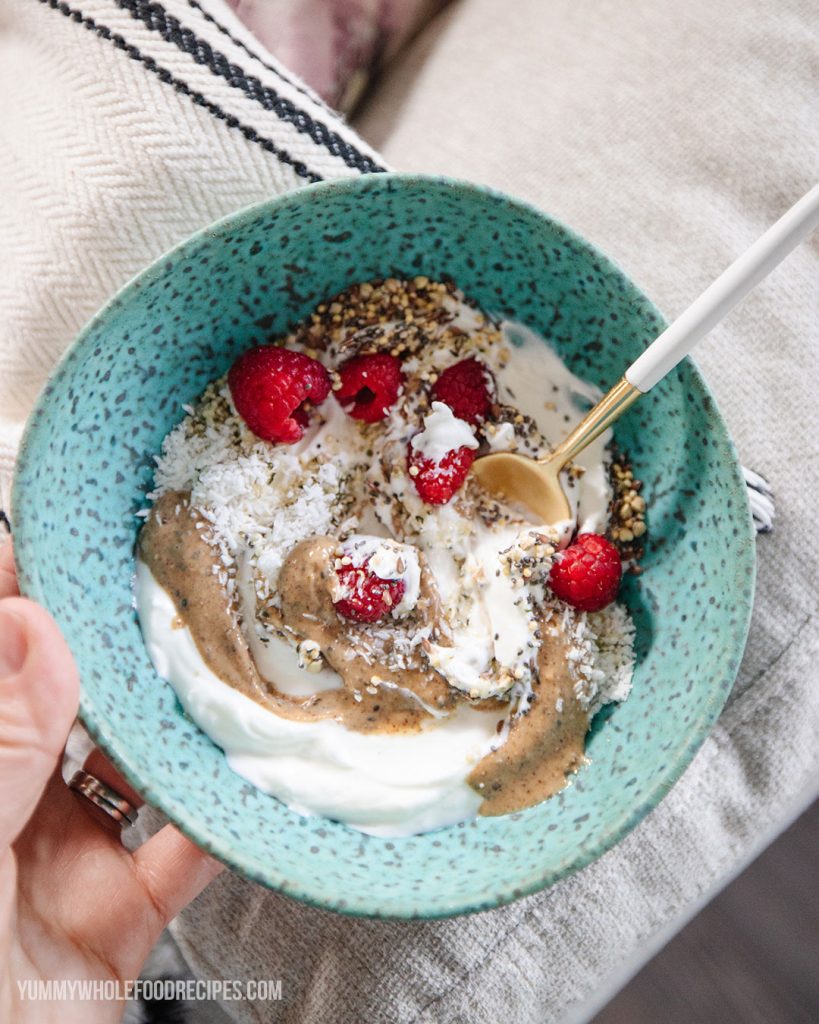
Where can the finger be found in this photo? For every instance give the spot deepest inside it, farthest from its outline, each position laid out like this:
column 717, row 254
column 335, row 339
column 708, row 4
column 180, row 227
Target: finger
column 173, row 872
column 98, row 765
column 8, row 574
column 75, row 876
column 39, row 695
column 78, row 877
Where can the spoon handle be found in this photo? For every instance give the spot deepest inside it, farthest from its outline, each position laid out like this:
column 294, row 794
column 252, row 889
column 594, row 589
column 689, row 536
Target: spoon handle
column 704, row 313
column 610, row 407
column 729, row 288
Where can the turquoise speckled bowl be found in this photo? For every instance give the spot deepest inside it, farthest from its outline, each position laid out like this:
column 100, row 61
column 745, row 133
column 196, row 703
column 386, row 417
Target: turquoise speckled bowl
column 86, row 463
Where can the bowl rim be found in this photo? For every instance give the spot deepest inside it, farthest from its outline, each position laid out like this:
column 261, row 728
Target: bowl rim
column 216, row 845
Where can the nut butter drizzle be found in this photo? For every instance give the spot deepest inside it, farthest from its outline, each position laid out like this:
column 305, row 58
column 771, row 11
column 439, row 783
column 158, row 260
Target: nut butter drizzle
column 173, row 545
column 543, row 744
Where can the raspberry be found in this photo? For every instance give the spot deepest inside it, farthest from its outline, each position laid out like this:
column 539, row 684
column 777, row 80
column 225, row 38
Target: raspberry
column 467, row 389
column 367, row 597
column 587, row 574
column 270, row 385
column 437, row 482
column 371, row 383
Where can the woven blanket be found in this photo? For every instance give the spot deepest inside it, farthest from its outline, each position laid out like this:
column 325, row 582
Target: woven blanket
column 671, row 136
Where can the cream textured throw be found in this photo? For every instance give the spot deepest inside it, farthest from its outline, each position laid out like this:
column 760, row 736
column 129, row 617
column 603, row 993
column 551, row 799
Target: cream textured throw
column 671, row 135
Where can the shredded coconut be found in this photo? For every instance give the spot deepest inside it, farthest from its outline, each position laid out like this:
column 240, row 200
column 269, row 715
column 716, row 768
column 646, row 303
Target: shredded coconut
column 348, row 480
column 259, row 499
column 600, row 653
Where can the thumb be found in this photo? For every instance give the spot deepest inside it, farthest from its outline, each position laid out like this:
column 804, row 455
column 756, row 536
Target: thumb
column 39, row 694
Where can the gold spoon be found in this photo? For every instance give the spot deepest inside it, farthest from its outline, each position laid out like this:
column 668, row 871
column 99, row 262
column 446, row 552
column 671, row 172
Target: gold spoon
column 535, row 483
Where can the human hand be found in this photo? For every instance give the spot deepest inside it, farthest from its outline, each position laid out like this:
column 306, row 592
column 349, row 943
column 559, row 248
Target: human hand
column 74, row 903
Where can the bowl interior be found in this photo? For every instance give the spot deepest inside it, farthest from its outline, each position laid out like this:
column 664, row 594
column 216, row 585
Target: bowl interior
column 86, row 463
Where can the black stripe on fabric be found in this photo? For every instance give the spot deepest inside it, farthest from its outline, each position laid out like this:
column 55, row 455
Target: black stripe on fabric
column 179, row 86
column 270, row 67
column 156, row 18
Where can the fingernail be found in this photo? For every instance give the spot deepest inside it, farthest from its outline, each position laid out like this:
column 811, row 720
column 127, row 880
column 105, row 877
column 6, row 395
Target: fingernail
column 13, row 644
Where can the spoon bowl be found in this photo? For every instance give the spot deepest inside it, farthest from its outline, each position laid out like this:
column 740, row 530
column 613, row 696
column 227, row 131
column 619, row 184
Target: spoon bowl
column 521, row 480
column 536, row 483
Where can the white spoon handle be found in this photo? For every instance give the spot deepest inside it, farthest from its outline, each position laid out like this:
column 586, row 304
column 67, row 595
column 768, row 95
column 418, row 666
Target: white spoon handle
column 729, row 288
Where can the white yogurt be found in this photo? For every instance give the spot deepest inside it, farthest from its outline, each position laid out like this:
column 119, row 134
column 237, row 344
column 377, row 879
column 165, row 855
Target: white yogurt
column 383, row 785
column 443, row 432
column 493, row 623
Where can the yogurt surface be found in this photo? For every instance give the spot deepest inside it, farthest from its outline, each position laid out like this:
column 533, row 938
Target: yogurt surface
column 382, row 785
column 385, row 784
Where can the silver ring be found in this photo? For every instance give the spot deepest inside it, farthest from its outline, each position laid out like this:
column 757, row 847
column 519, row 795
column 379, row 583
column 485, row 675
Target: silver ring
column 102, row 796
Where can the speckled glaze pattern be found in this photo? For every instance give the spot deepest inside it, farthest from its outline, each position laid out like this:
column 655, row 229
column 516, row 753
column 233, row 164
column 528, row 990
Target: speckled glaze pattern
column 85, row 466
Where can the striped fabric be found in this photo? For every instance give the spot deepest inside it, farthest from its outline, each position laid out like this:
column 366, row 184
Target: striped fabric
column 126, row 126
